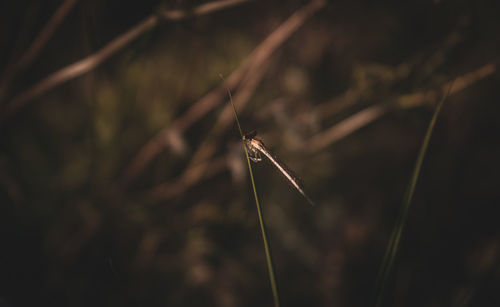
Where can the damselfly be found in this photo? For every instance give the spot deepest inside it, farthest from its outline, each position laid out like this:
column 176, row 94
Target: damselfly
column 256, row 147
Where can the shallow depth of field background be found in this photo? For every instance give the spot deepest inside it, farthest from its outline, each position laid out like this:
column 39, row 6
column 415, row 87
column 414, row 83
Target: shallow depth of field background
column 97, row 210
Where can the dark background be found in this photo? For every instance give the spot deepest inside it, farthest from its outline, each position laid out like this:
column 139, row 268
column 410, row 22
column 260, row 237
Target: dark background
column 76, row 230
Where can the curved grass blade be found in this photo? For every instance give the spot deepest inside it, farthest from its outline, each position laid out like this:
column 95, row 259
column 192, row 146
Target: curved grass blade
column 392, row 248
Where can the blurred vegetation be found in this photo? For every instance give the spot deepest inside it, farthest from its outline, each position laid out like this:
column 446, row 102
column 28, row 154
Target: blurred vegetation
column 101, row 206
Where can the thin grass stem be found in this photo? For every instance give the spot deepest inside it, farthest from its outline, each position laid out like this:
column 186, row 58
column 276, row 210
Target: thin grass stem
column 267, row 247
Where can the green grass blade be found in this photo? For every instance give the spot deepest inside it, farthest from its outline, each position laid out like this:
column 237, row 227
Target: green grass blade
column 267, row 247
column 392, row 248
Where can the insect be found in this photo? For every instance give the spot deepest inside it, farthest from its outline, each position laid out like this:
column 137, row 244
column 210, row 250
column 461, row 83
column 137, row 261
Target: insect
column 256, row 149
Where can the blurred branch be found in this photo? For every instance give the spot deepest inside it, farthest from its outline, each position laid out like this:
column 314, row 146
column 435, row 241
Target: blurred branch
column 86, row 64
column 248, row 69
column 436, row 60
column 460, row 83
column 34, row 49
column 175, row 15
column 369, row 77
column 370, row 114
column 345, row 127
column 30, row 55
column 189, row 178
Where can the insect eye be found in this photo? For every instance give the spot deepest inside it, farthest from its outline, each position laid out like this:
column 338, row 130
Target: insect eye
column 251, row 134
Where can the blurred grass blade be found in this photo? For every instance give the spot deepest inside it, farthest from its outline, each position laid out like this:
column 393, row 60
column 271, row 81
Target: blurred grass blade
column 392, row 248
column 267, row 248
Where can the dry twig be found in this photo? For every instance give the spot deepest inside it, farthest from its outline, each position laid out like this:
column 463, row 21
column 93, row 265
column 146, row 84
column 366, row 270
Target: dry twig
column 370, row 114
column 87, row 64
column 34, row 49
